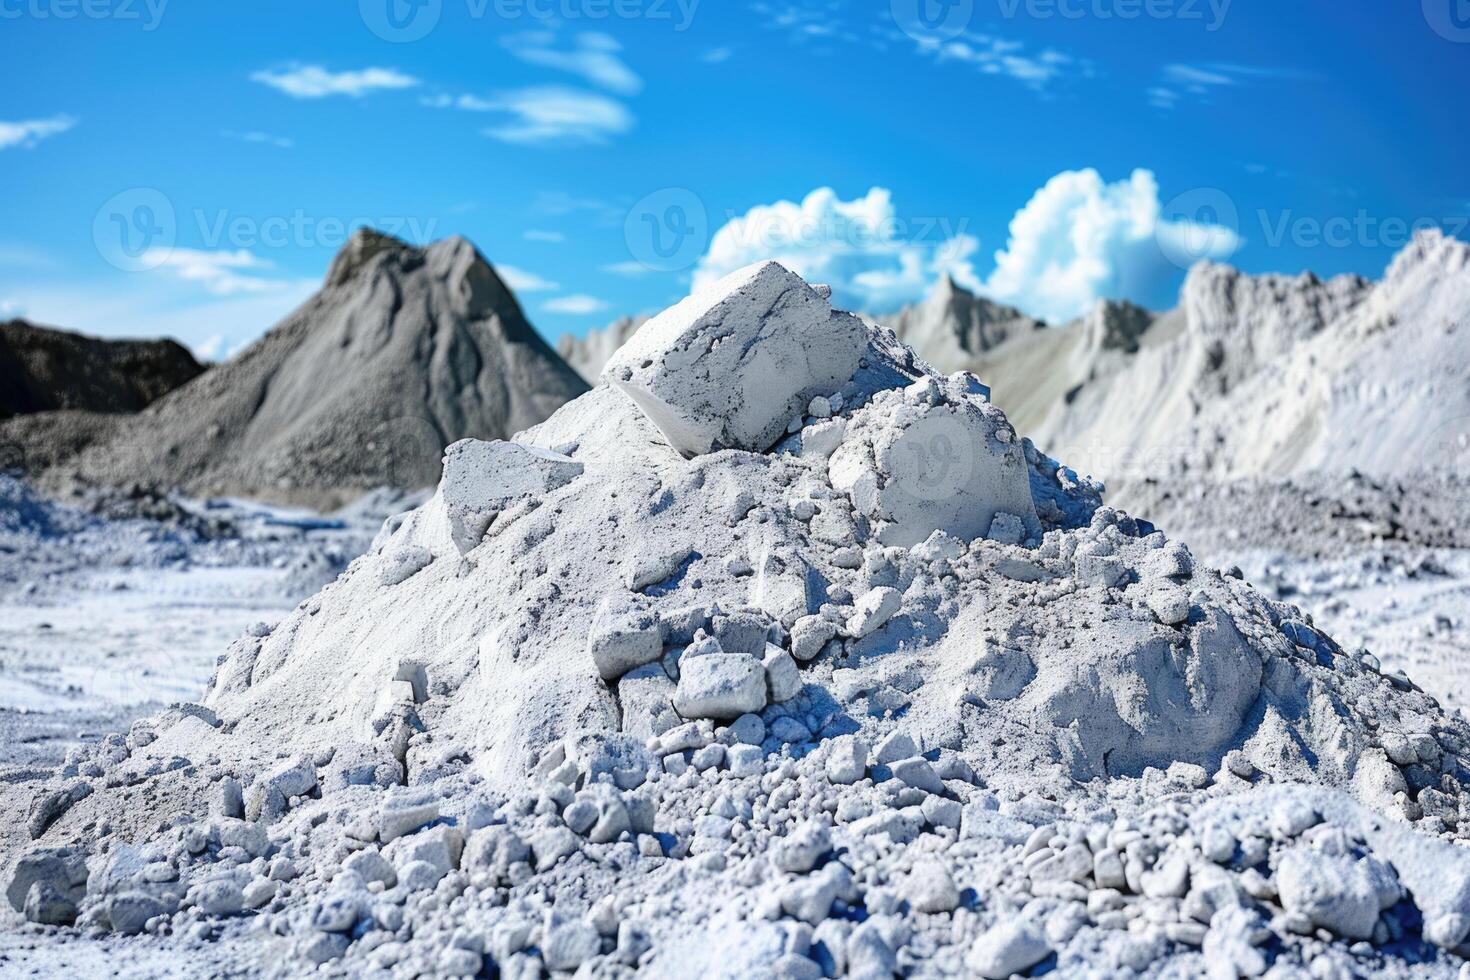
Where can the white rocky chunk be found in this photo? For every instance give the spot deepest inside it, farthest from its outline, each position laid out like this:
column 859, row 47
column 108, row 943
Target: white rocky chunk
column 874, row 608
column 482, row 479
column 930, row 888
column 1170, row 605
column 736, row 361
column 1334, row 891
column 624, row 635
column 1011, row 947
column 931, row 458
column 847, row 759
column 720, row 686
column 783, row 679
column 809, row 635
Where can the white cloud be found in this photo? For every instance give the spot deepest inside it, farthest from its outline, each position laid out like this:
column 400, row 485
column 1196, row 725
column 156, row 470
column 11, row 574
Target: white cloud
column 594, row 58
column 1080, row 239
column 577, row 305
column 133, row 305
column 1203, row 80
column 220, row 273
column 316, row 82
column 629, row 269
column 554, row 114
column 872, row 259
column 996, row 56
column 27, row 133
column 716, row 56
column 521, row 281
column 1192, row 76
column 265, row 139
column 537, row 235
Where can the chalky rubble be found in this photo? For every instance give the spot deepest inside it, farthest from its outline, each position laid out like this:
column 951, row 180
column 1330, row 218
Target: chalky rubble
column 779, row 654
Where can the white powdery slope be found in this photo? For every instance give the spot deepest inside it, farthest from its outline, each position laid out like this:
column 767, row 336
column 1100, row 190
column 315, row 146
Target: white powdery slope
column 1274, row 376
column 783, row 656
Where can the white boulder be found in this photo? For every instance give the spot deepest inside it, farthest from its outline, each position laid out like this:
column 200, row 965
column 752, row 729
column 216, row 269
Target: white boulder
column 721, row 686
column 733, row 364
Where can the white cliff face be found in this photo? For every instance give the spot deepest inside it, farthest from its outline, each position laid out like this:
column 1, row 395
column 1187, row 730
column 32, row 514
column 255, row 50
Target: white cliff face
column 1276, row 376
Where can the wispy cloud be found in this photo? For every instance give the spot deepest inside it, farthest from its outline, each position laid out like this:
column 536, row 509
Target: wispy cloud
column 221, row 273
column 315, row 82
column 538, row 235
column 559, row 204
column 264, row 139
column 1001, row 57
column 806, row 22
column 628, row 270
column 552, row 114
column 1202, row 81
column 576, row 305
column 593, row 58
column 27, row 133
column 521, row 281
column 716, row 56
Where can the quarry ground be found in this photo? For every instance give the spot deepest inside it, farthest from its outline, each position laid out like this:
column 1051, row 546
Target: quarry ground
column 106, row 620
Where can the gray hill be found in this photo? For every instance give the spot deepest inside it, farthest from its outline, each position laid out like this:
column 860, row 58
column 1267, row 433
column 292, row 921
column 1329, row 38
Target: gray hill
column 403, row 351
column 43, row 369
column 953, row 327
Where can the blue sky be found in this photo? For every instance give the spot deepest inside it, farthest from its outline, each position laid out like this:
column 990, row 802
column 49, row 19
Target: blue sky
column 1045, row 151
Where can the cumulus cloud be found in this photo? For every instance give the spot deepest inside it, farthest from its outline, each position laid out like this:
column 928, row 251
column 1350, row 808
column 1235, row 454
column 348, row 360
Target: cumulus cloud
column 28, row 132
column 576, row 305
column 316, row 82
column 594, row 58
column 873, row 259
column 1080, row 239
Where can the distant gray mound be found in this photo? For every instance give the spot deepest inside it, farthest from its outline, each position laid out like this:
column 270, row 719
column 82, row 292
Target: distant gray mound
column 953, row 327
column 403, row 351
column 43, row 369
column 587, row 355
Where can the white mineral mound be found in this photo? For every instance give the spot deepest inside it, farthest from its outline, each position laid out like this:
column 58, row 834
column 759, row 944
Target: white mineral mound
column 780, row 654
column 403, row 351
column 768, row 482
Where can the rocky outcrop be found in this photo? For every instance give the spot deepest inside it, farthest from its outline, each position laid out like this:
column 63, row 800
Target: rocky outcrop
column 43, row 369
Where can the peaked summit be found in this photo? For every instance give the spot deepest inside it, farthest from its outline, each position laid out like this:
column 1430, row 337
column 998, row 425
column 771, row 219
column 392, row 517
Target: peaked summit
column 403, row 351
